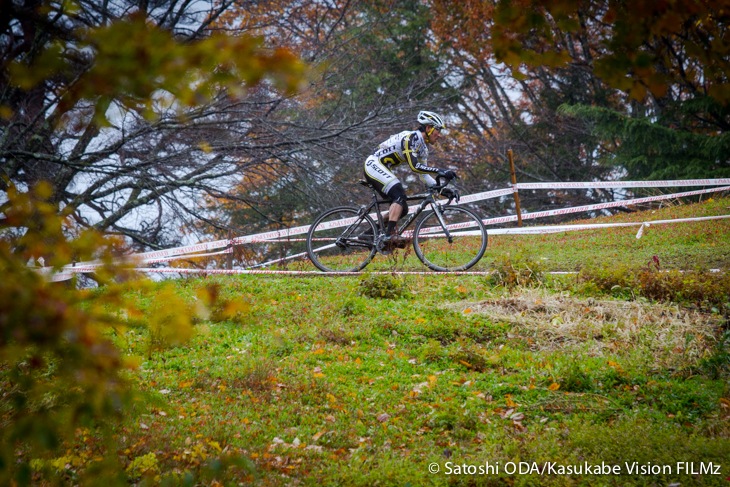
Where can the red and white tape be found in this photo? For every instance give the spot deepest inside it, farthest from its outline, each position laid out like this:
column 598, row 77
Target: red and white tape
column 625, row 184
column 192, row 251
column 601, row 206
column 146, row 257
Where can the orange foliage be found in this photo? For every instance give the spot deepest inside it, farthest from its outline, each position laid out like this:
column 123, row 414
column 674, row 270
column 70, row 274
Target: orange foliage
column 474, row 19
column 60, row 367
column 639, row 47
column 135, row 59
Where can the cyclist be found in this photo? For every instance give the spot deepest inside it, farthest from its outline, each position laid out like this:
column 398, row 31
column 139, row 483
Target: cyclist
column 410, row 147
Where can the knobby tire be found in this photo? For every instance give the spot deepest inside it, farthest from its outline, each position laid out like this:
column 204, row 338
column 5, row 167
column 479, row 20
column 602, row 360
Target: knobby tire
column 468, row 235
column 341, row 248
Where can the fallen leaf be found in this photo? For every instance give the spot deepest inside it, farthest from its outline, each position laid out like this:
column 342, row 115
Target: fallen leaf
column 504, row 414
column 318, row 435
column 418, row 388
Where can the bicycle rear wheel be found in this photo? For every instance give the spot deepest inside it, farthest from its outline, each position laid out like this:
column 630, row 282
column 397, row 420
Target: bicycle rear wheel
column 467, row 243
column 341, row 240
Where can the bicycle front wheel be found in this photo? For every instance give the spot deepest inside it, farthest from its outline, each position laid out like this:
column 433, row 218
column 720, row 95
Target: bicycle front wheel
column 460, row 250
column 341, row 240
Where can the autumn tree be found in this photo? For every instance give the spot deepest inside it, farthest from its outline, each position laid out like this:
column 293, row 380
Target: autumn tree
column 503, row 111
column 374, row 66
column 114, row 103
column 669, row 58
column 96, row 102
column 641, row 48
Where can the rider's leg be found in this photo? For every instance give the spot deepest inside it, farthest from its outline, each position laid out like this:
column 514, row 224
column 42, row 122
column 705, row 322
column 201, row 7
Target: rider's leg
column 384, row 182
column 394, row 214
column 398, row 208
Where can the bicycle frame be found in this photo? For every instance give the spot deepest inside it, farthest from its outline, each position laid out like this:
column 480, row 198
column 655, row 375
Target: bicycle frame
column 426, row 199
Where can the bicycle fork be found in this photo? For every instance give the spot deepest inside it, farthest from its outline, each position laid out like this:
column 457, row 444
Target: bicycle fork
column 439, row 215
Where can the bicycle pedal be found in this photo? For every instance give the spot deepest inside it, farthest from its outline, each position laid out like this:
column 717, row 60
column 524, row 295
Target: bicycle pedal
column 398, row 243
column 381, row 244
column 401, row 243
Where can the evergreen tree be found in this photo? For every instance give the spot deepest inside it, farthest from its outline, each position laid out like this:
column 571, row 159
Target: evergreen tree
column 658, row 149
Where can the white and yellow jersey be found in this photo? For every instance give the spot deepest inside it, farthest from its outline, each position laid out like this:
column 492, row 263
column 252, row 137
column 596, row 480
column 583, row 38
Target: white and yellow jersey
column 408, row 146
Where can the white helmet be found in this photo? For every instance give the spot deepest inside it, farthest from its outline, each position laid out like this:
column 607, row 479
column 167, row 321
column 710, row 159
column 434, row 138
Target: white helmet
column 431, row 118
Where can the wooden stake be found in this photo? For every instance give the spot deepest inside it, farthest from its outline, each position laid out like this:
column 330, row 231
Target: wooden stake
column 229, row 257
column 514, row 182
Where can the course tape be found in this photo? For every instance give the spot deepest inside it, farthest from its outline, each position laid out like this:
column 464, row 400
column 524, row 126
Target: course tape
column 68, row 272
column 185, row 251
column 170, row 270
column 625, row 184
column 188, row 256
column 285, row 233
column 88, row 268
column 133, row 259
column 539, row 230
column 600, row 206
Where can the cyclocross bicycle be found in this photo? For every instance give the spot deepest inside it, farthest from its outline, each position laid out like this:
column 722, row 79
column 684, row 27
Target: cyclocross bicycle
column 446, row 238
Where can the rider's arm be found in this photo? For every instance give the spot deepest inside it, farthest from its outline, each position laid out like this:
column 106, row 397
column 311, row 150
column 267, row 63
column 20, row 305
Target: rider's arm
column 427, row 179
column 410, row 151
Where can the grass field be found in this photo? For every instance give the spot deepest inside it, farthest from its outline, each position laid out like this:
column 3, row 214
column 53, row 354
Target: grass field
column 521, row 377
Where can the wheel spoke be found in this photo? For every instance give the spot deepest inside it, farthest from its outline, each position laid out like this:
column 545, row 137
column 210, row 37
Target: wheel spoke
column 338, row 241
column 468, row 239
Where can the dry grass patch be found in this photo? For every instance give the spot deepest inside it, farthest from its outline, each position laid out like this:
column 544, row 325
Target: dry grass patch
column 574, row 403
column 548, row 322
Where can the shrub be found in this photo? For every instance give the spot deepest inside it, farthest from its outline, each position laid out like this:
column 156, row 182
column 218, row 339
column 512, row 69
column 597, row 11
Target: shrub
column 432, row 351
column 717, row 365
column 471, row 357
column 511, row 271
column 383, row 286
column 59, row 368
column 703, row 289
column 618, row 281
column 575, row 379
column 707, row 290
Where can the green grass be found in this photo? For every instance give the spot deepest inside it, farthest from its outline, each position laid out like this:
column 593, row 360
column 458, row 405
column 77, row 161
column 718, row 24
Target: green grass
column 691, row 245
column 367, row 380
